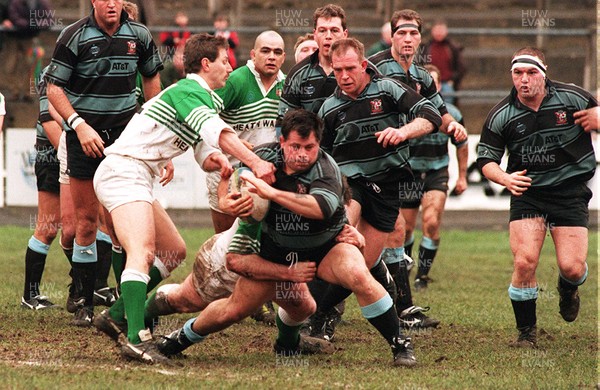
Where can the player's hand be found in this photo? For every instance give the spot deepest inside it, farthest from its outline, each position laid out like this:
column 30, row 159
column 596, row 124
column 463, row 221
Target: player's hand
column 457, row 131
column 167, row 174
column 236, row 205
column 265, row 171
column 517, row 183
column 302, row 272
column 390, row 136
column 588, row 119
column 91, row 143
column 461, row 185
column 261, row 188
column 350, row 235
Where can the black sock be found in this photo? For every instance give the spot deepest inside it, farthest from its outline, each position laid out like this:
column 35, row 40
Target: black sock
column 381, row 274
column 563, row 284
column 426, row 257
column 318, row 288
column 104, row 264
column 401, row 279
column 408, row 248
column 69, row 254
column 524, row 313
column 34, row 268
column 84, row 279
column 333, row 296
column 387, row 324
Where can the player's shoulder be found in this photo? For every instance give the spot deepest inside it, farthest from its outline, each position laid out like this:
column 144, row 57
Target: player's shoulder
column 569, row 89
column 139, row 30
column 72, row 30
column 268, row 151
column 300, row 68
column 381, row 57
column 501, row 113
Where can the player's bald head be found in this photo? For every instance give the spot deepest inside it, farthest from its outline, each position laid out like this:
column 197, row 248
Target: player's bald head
column 268, row 38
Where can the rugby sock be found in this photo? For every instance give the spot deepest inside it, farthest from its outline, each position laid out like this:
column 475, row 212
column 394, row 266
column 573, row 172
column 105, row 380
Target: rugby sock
column 382, row 315
column 427, row 252
column 84, row 270
column 68, row 253
column 133, row 290
column 35, row 260
column 117, row 310
column 289, row 330
column 401, row 278
column 524, row 305
column 567, row 284
column 318, row 289
column 154, row 308
column 104, row 244
column 118, row 262
column 335, row 294
column 189, row 331
column 408, row 245
column 381, row 274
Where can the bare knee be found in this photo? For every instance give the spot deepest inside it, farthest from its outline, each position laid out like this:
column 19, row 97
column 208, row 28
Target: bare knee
column 573, row 270
column 525, row 266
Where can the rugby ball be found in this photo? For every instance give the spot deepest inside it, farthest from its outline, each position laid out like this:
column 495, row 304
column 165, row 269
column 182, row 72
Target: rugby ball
column 260, row 206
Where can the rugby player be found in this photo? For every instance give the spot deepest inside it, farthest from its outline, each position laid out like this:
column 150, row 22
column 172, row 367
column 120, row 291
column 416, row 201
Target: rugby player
column 550, row 160
column 91, row 84
column 368, row 122
column 308, row 193
column 180, row 117
column 398, row 62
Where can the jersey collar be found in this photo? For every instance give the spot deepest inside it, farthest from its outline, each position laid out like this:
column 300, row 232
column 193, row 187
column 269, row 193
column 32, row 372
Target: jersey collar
column 280, row 77
column 196, row 77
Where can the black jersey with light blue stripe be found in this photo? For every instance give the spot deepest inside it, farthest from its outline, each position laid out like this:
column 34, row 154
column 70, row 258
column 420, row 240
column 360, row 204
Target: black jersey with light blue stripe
column 323, row 181
column 417, row 77
column 350, row 126
column 98, row 71
column 430, row 152
column 547, row 143
column 306, row 86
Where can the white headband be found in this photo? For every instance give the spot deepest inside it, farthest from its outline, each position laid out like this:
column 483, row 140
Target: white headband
column 525, row 60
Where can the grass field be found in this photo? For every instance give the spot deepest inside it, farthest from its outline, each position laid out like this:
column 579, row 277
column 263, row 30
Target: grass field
column 468, row 351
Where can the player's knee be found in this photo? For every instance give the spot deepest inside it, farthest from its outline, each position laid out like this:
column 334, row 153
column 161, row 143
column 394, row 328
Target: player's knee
column 524, row 265
column 237, row 313
column 573, row 270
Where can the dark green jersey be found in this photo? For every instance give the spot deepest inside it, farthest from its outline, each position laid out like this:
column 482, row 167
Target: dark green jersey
column 417, row 77
column 306, row 86
column 350, row 126
column 98, row 72
column 431, row 151
column 547, row 143
column 323, row 181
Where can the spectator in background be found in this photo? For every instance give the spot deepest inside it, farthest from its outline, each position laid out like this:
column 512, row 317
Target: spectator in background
column 384, row 43
column 305, row 46
column 221, row 25
column 445, row 54
column 175, row 39
column 26, row 18
column 174, row 42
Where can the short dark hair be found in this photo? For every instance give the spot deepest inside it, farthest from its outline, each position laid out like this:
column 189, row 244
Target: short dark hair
column 200, row 46
column 342, row 45
column 330, row 11
column 406, row 14
column 303, row 122
column 532, row 51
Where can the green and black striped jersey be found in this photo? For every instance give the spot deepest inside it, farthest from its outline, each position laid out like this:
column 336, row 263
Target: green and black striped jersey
column 350, row 126
column 306, row 86
column 98, row 72
column 547, row 143
column 44, row 115
column 323, row 181
column 181, row 116
column 248, row 108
